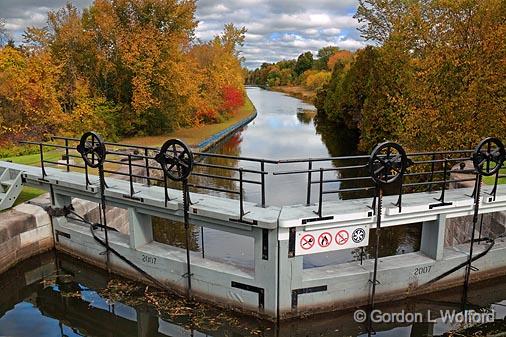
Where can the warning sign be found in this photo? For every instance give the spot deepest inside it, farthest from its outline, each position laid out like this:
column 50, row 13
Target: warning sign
column 342, row 237
column 307, row 242
column 311, row 242
column 325, row 239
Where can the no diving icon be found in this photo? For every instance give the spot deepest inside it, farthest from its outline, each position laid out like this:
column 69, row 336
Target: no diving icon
column 342, row 237
column 307, row 242
column 325, row 239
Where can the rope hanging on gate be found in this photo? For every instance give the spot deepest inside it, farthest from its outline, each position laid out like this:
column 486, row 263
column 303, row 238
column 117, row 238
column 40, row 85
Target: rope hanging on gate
column 141, row 271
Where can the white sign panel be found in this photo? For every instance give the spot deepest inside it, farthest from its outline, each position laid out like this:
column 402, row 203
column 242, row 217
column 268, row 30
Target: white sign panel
column 327, row 240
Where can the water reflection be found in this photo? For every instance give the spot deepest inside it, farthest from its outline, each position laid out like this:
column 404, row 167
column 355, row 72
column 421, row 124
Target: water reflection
column 285, row 128
column 56, row 295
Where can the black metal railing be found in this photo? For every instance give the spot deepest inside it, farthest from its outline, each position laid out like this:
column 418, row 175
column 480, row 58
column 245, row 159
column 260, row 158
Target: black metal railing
column 347, row 175
column 427, row 172
column 125, row 160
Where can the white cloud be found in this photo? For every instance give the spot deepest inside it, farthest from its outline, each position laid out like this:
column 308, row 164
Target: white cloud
column 277, row 29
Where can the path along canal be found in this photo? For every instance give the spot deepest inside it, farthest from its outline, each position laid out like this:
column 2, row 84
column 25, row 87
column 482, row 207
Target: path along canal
column 54, row 295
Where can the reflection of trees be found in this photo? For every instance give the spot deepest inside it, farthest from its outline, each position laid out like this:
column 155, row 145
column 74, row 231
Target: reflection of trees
column 395, row 240
column 230, row 146
column 306, row 116
column 343, row 142
column 173, row 233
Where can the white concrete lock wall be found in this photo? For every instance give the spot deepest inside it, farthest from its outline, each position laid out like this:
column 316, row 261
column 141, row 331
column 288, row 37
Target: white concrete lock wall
column 281, row 276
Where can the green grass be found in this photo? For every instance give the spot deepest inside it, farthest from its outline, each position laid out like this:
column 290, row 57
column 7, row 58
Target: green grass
column 34, row 159
column 490, row 180
column 28, row 193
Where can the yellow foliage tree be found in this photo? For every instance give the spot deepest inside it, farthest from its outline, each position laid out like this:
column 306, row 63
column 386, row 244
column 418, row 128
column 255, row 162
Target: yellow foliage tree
column 29, row 106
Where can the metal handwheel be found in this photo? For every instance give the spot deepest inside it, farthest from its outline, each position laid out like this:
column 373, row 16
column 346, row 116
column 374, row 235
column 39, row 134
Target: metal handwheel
column 176, row 159
column 387, row 163
column 92, row 149
column 488, row 157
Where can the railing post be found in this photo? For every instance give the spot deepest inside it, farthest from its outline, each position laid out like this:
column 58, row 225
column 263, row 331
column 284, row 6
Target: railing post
column 432, row 172
column 241, row 195
column 308, row 192
column 321, row 194
column 445, row 172
column 132, row 192
column 146, row 161
column 262, row 168
column 86, row 175
column 44, row 174
column 67, row 154
column 496, row 180
column 165, row 188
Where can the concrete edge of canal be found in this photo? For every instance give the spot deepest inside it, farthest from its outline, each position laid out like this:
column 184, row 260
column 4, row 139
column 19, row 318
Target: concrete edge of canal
column 217, row 137
column 25, row 231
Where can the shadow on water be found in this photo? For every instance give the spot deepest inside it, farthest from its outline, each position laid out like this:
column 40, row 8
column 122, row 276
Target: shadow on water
column 56, row 295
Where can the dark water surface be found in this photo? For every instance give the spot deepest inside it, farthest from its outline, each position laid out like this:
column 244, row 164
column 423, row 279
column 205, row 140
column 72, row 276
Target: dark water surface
column 55, row 295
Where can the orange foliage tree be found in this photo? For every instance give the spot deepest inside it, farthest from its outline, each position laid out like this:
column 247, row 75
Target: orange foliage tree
column 121, row 67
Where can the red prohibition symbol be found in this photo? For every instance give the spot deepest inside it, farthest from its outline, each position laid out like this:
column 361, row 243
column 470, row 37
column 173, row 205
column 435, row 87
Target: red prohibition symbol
column 307, row 242
column 325, row 239
column 342, row 237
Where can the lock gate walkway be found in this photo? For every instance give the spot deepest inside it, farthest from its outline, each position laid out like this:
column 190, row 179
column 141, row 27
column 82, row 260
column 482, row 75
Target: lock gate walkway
column 278, row 286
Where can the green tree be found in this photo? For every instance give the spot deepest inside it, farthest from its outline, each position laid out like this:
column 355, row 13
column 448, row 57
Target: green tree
column 355, row 86
column 304, row 62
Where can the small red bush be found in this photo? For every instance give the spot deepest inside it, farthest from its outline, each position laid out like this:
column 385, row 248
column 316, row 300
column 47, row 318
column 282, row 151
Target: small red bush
column 232, row 99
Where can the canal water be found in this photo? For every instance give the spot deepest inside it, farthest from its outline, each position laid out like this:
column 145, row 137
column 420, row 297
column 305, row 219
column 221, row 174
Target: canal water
column 285, row 128
column 55, row 295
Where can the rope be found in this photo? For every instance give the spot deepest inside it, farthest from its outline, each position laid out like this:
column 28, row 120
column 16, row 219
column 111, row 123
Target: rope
column 463, row 264
column 93, row 226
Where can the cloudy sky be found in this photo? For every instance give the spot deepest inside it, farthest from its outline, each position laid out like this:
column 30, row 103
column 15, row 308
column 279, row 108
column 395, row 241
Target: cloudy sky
column 277, row 29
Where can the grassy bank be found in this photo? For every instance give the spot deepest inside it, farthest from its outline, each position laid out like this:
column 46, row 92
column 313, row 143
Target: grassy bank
column 195, row 135
column 191, row 136
column 298, row 92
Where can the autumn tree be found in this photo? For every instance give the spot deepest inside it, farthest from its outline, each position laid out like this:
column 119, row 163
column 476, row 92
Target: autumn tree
column 323, row 57
column 219, row 68
column 120, row 67
column 454, row 57
column 29, row 106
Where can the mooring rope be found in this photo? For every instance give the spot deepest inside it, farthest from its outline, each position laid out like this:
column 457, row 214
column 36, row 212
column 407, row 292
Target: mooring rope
column 463, row 264
column 141, row 271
